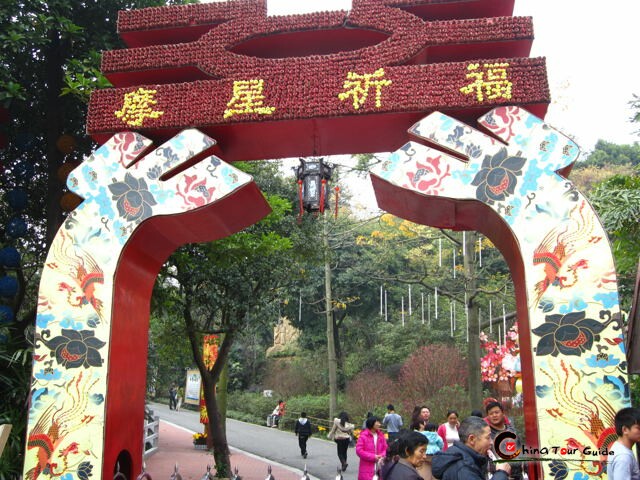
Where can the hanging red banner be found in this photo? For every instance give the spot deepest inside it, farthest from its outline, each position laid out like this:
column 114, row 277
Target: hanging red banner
column 209, row 356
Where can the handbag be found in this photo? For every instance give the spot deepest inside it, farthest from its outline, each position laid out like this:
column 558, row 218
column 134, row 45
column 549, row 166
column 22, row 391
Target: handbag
column 332, row 433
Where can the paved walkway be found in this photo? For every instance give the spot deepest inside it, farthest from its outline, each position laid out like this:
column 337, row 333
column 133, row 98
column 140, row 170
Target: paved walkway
column 253, row 448
column 176, row 448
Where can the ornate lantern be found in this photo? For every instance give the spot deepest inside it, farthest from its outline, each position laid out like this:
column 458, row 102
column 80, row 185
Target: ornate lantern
column 313, row 185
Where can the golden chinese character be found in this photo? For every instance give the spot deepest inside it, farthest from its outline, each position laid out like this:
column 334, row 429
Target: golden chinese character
column 358, row 86
column 492, row 82
column 247, row 98
column 137, row 107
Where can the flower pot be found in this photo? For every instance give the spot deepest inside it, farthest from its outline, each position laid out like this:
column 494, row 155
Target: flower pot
column 200, row 447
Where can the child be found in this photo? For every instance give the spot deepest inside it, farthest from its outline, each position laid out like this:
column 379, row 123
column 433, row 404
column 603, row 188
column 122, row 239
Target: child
column 622, row 463
column 303, row 431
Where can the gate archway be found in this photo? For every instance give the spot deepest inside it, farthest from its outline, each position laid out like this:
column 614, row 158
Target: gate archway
column 461, row 58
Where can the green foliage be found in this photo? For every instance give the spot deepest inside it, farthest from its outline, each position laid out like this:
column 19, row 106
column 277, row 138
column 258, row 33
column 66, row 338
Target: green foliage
column 606, row 154
column 255, row 407
column 617, row 201
column 15, row 365
column 48, row 65
column 450, row 397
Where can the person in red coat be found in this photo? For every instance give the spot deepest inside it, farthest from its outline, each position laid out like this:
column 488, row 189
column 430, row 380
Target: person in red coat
column 371, row 448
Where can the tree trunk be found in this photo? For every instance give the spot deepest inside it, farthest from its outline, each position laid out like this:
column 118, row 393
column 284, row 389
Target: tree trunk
column 221, row 393
column 216, row 431
column 331, row 348
column 473, row 346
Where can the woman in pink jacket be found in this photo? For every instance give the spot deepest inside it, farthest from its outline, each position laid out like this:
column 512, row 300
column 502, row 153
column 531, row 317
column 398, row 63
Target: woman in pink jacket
column 371, row 447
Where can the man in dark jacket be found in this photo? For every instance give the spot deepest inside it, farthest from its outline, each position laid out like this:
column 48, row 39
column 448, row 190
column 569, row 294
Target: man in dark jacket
column 303, row 431
column 498, row 423
column 467, row 459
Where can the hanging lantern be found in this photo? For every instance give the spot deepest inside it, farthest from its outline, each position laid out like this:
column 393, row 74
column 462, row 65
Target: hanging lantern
column 17, row 198
column 23, row 170
column 8, row 286
column 65, row 169
column 6, row 314
column 9, row 257
column 66, row 144
column 24, row 140
column 70, row 201
column 518, row 385
column 16, row 227
column 313, row 180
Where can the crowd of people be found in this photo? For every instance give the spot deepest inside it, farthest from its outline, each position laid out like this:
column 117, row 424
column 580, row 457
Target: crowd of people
column 455, row 449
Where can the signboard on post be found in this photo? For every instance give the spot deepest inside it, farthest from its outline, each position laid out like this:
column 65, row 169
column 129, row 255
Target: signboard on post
column 192, row 387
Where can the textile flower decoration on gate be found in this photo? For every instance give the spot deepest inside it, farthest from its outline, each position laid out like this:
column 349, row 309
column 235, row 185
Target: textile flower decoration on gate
column 429, row 175
column 75, row 349
column 570, row 334
column 133, row 199
column 496, row 179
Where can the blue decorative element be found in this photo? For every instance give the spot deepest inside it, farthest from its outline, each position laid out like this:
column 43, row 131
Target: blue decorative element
column 575, row 304
column 596, row 362
column 68, row 322
column 43, row 319
column 532, row 175
column 618, row 388
column 6, row 314
column 608, row 300
column 543, row 390
column 93, row 321
column 570, row 334
column 546, row 305
column 96, row 398
column 48, row 374
column 84, row 470
column 558, row 470
column 497, row 178
column 17, row 198
column 8, row 286
column 580, row 476
column 16, row 227
column 133, row 199
column 9, row 257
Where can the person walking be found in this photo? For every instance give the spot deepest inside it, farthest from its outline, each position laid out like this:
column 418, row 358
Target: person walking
column 467, row 458
column 392, row 422
column 173, row 397
column 404, row 456
column 371, row 448
column 341, row 432
column 303, row 432
column 448, row 431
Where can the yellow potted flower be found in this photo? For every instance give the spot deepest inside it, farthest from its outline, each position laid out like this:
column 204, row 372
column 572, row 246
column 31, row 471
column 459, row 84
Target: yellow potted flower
column 200, row 441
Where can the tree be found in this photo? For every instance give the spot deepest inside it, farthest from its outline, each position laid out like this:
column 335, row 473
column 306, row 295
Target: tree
column 49, row 63
column 220, row 288
column 617, row 201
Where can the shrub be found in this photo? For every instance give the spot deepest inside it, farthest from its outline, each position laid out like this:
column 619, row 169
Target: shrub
column 298, row 375
column 370, row 391
column 428, row 370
